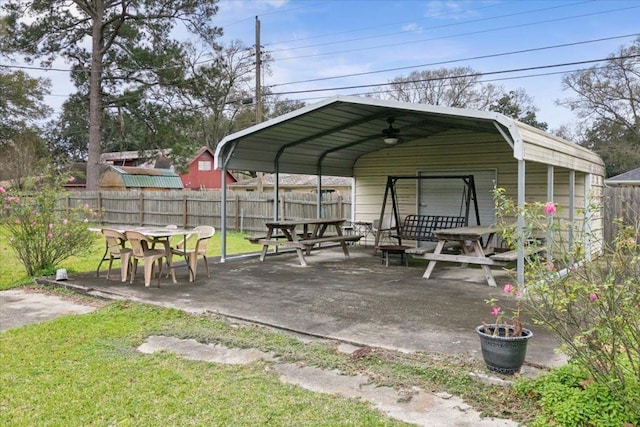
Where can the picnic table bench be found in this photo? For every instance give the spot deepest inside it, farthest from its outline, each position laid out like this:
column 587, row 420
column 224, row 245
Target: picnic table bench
column 512, row 255
column 284, row 233
column 469, row 240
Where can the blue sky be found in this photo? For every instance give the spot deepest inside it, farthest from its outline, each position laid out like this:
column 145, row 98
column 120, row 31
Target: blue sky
column 312, row 39
column 319, row 39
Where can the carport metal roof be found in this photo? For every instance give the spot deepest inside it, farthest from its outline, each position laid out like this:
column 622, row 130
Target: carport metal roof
column 328, row 138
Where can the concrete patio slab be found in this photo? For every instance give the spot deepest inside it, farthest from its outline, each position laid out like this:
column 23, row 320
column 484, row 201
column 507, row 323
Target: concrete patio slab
column 356, row 300
column 19, row 307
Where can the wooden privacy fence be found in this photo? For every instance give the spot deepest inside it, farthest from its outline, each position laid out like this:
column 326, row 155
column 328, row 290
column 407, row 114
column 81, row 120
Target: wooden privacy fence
column 623, row 203
column 246, row 211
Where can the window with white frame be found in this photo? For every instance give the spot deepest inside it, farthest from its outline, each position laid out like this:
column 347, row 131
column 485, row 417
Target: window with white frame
column 204, row 165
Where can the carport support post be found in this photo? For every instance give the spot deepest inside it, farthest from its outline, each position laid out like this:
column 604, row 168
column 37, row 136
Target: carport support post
column 276, row 193
column 572, row 207
column 319, row 195
column 588, row 215
column 550, row 188
column 520, row 221
column 223, row 217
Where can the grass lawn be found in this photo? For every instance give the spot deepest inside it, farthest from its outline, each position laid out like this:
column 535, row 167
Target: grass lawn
column 84, row 370
column 13, row 273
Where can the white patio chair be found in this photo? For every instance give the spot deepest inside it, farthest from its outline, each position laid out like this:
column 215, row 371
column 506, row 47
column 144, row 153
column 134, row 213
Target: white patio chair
column 116, row 250
column 196, row 244
column 141, row 251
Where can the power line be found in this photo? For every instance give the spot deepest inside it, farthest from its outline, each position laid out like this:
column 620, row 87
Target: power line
column 34, row 68
column 378, row 26
column 479, row 74
column 27, row 67
column 267, row 100
column 509, row 27
column 494, row 55
column 490, row 18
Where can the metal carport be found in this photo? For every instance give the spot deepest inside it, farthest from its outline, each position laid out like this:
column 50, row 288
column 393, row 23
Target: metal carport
column 330, row 137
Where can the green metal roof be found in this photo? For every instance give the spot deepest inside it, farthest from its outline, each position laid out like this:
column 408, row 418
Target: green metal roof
column 148, row 178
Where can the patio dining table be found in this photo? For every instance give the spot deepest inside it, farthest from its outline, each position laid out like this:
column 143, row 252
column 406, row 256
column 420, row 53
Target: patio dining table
column 157, row 234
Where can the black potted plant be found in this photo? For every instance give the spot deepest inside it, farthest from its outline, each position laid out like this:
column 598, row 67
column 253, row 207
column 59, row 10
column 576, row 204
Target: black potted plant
column 504, row 344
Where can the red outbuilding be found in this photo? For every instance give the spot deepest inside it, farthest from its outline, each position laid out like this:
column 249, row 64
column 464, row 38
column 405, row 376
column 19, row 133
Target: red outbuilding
column 201, row 175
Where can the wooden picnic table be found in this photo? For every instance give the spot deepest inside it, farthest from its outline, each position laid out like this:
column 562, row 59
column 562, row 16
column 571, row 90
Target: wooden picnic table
column 303, row 235
column 469, row 239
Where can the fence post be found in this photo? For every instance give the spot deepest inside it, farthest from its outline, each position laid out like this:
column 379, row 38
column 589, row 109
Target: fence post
column 283, row 215
column 340, row 207
column 141, row 207
column 184, row 209
column 236, row 201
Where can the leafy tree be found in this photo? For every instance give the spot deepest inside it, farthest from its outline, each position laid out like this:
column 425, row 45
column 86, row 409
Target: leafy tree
column 278, row 107
column 217, row 90
column 618, row 146
column 21, row 103
column 21, row 106
column 131, row 47
column 22, row 158
column 452, row 87
column 607, row 99
column 460, row 87
column 518, row 105
column 67, row 136
column 201, row 110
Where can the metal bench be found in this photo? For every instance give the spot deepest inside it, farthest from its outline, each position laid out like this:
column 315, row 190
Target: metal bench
column 420, row 228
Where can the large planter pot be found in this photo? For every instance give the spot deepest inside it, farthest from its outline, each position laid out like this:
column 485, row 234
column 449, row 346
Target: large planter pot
column 503, row 354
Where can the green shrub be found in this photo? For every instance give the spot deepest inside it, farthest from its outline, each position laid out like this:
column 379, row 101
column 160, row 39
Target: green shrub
column 569, row 396
column 40, row 232
column 584, row 292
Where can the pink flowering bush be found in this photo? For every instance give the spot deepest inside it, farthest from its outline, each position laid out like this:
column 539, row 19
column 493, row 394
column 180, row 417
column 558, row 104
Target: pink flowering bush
column 42, row 233
column 512, row 328
column 584, row 291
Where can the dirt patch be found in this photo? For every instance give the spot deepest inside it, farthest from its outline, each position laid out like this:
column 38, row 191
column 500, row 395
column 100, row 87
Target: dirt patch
column 416, row 406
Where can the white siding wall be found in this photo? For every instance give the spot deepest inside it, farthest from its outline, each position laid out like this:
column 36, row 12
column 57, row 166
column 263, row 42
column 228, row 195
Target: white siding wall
column 453, row 150
column 544, row 148
column 459, row 151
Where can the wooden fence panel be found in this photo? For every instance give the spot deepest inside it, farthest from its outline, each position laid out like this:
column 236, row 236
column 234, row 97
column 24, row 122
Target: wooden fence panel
column 622, row 203
column 202, row 208
column 246, row 211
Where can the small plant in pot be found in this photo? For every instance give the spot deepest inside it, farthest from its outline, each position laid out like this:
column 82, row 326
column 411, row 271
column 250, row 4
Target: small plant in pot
column 504, row 344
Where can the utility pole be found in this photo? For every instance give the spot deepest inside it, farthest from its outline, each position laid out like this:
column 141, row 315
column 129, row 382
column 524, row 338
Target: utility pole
column 258, row 74
column 259, row 95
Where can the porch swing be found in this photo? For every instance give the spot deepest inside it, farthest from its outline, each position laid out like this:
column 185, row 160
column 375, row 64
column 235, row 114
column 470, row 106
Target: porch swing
column 418, row 227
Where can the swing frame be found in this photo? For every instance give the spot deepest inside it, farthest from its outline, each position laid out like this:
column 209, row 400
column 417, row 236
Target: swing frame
column 469, row 195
